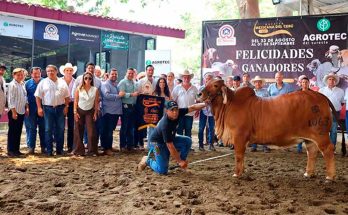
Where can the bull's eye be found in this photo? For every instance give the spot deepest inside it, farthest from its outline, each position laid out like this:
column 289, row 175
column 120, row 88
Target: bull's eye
column 215, row 86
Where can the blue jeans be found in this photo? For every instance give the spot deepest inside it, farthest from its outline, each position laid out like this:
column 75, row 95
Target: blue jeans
column 159, row 153
column 254, row 146
column 333, row 130
column 31, row 123
column 70, row 133
column 127, row 128
column 185, row 124
column 202, row 124
column 109, row 122
column 54, row 124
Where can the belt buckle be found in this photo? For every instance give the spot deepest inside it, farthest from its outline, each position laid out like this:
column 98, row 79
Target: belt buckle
column 125, row 105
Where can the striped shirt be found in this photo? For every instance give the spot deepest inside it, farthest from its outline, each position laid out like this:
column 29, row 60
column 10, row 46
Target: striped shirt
column 71, row 87
column 52, row 93
column 17, row 96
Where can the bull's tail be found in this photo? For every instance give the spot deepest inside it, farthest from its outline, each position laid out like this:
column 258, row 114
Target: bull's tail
column 337, row 117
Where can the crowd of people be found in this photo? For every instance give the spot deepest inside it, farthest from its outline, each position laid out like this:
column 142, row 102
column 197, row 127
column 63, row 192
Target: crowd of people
column 94, row 102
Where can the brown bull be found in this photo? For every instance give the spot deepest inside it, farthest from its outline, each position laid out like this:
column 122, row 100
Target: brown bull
column 242, row 118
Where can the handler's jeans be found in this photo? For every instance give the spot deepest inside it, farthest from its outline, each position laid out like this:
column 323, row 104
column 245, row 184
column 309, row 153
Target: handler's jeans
column 159, row 153
column 185, row 124
column 32, row 121
column 333, row 131
column 210, row 127
column 54, row 124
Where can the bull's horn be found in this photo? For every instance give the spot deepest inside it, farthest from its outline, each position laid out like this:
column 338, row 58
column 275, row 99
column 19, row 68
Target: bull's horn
column 224, row 94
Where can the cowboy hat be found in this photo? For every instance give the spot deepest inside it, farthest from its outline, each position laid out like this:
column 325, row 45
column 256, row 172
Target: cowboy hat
column 258, row 78
column 333, row 75
column 208, row 72
column 102, row 71
column 66, row 66
column 186, row 73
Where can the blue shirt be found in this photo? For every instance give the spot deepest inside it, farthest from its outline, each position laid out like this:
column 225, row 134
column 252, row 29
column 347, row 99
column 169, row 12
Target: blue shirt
column 128, row 86
column 30, row 87
column 274, row 91
column 261, row 92
column 111, row 101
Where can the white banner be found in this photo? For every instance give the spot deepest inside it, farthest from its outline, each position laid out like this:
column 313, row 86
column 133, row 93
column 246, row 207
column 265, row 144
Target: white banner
column 160, row 59
column 16, row 27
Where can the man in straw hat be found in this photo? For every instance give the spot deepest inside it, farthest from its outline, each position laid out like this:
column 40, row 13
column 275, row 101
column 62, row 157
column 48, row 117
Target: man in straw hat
column 258, row 83
column 68, row 70
column 336, row 96
column 185, row 96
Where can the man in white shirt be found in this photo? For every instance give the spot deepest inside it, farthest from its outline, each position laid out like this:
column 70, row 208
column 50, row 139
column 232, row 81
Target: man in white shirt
column 52, row 100
column 185, row 95
column 336, row 96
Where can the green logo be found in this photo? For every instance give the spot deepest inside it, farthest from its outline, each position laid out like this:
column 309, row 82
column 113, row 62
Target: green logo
column 323, row 24
column 148, row 62
column 5, row 24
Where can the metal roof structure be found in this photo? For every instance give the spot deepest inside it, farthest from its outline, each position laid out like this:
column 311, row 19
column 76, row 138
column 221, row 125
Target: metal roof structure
column 42, row 13
column 330, row 6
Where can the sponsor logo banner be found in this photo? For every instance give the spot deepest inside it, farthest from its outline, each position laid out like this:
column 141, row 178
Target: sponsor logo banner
column 16, row 27
column 160, row 59
column 51, row 32
column 86, row 36
column 308, row 45
column 114, row 40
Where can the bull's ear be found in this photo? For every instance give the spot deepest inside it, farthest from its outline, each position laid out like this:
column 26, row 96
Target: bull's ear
column 224, row 94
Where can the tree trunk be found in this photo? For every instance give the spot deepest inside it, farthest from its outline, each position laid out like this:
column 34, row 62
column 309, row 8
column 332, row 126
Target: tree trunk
column 248, row 8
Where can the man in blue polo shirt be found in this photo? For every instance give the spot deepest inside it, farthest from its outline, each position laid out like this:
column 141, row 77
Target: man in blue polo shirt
column 164, row 142
column 279, row 87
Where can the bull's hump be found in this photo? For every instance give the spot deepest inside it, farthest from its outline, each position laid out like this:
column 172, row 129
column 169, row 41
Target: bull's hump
column 244, row 93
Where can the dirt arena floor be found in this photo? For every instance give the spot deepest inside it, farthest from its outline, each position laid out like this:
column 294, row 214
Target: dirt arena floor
column 273, row 184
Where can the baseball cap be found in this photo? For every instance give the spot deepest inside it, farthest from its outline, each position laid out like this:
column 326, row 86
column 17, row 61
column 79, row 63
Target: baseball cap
column 171, row 104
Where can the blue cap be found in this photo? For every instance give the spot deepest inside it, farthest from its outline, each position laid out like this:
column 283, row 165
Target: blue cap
column 171, row 104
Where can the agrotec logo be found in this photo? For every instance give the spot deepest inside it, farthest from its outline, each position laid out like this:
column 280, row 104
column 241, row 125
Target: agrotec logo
column 148, row 62
column 6, row 24
column 323, row 24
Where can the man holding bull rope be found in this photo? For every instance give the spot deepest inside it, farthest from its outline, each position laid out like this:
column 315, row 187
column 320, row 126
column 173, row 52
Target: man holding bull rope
column 164, row 142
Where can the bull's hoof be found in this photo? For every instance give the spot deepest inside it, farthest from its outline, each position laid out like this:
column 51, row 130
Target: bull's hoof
column 329, row 179
column 309, row 175
column 235, row 175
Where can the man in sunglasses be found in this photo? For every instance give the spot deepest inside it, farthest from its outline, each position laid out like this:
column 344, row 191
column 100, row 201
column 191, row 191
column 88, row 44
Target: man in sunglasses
column 164, row 141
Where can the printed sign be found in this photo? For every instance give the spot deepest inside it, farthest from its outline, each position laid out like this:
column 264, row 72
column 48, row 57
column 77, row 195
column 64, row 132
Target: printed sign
column 16, row 27
column 86, row 36
column 149, row 110
column 51, row 32
column 114, row 40
column 307, row 45
column 160, row 59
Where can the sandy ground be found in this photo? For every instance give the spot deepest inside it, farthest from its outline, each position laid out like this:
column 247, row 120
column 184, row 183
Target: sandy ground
column 273, row 184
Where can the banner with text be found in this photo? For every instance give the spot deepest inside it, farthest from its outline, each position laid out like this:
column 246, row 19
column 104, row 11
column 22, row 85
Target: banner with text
column 307, row 45
column 16, row 27
column 160, row 59
column 149, row 110
column 115, row 40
